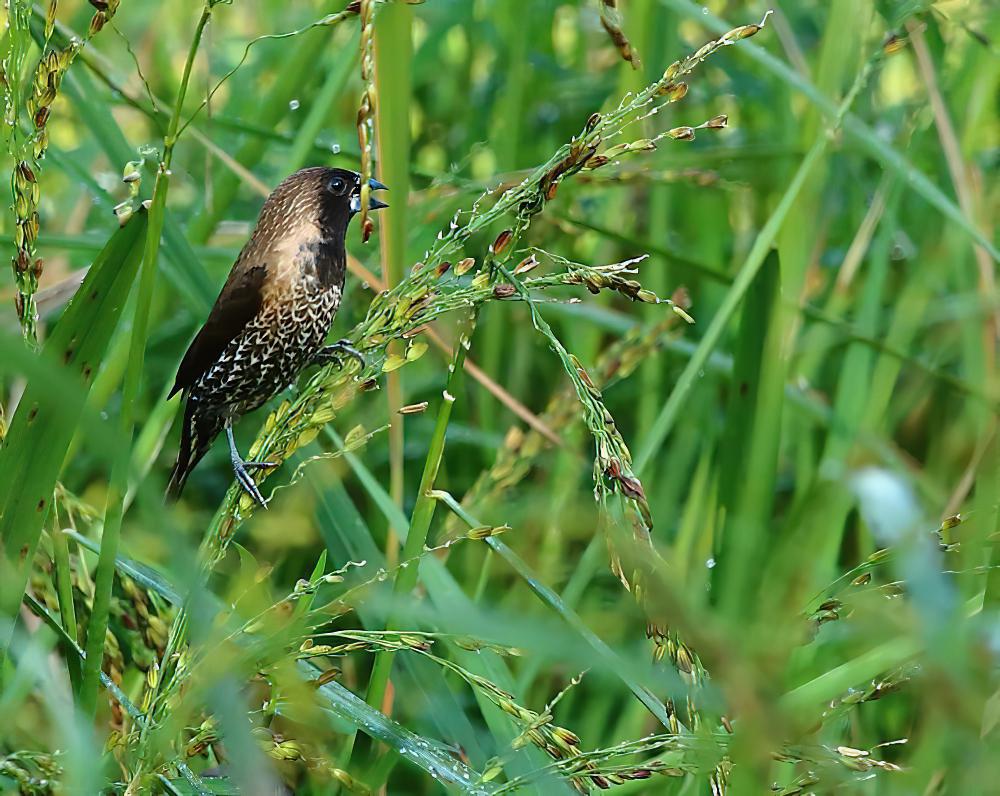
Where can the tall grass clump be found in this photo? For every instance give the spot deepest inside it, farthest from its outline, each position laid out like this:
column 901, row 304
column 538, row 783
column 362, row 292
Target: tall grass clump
column 696, row 356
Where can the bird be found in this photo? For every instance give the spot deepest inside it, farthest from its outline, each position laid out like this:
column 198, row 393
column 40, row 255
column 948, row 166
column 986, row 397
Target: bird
column 272, row 316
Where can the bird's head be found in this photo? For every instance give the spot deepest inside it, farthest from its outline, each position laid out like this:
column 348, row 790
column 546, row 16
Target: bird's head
column 324, row 197
column 344, row 187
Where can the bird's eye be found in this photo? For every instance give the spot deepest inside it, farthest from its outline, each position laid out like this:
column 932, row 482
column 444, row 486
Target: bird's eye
column 338, row 185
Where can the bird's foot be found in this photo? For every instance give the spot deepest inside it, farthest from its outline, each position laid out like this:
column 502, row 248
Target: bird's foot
column 242, row 470
column 337, row 352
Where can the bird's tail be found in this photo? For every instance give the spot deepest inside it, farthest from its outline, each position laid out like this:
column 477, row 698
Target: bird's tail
column 197, row 433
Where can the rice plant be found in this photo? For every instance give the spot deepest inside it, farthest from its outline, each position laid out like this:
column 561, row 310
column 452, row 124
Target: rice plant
column 669, row 462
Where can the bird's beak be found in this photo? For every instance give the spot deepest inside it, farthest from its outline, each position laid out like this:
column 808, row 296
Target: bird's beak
column 373, row 203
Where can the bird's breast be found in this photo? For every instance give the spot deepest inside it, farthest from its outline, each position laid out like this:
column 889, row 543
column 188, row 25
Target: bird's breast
column 304, row 260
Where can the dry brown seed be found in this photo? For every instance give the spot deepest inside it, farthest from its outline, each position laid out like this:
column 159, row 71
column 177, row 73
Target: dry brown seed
column 597, row 161
column 529, row 263
column 744, row 32
column 566, row 736
column 413, row 409
column 463, row 266
column 502, row 242
column 717, row 122
column 41, row 116
column 24, row 171
column 442, row 269
column 326, row 677
column 550, row 192
column 632, row 487
column 674, row 91
column 97, row 22
column 682, row 133
column 504, row 291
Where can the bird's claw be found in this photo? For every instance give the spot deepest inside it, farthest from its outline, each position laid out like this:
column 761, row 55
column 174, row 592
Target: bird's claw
column 335, row 353
column 242, row 469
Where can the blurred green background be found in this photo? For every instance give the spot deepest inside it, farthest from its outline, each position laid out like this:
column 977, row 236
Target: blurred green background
column 835, row 396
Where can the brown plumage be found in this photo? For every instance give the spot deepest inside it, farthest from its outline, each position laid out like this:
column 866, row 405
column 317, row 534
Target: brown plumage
column 273, row 315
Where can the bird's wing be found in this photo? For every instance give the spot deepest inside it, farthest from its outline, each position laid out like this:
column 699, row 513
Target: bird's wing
column 236, row 305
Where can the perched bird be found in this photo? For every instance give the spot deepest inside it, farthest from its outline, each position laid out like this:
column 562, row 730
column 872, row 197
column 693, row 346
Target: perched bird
column 273, row 315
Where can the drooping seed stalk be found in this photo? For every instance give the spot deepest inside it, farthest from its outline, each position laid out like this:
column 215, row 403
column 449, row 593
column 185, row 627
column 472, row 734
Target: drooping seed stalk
column 98, row 624
column 366, row 110
column 611, row 20
column 29, row 152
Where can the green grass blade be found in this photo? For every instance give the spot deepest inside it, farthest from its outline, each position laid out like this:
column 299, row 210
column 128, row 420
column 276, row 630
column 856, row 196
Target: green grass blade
column 41, row 430
column 436, row 761
column 664, row 422
column 393, row 53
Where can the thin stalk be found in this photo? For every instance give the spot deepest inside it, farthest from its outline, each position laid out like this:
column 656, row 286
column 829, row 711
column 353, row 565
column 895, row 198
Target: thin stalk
column 393, row 84
column 64, row 591
column 98, row 624
column 420, row 521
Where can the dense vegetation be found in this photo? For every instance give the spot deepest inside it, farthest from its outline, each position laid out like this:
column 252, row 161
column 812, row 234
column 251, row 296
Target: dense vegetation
column 768, row 270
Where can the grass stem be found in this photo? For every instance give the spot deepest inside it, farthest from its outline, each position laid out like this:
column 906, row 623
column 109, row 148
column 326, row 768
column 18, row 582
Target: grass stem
column 104, row 580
